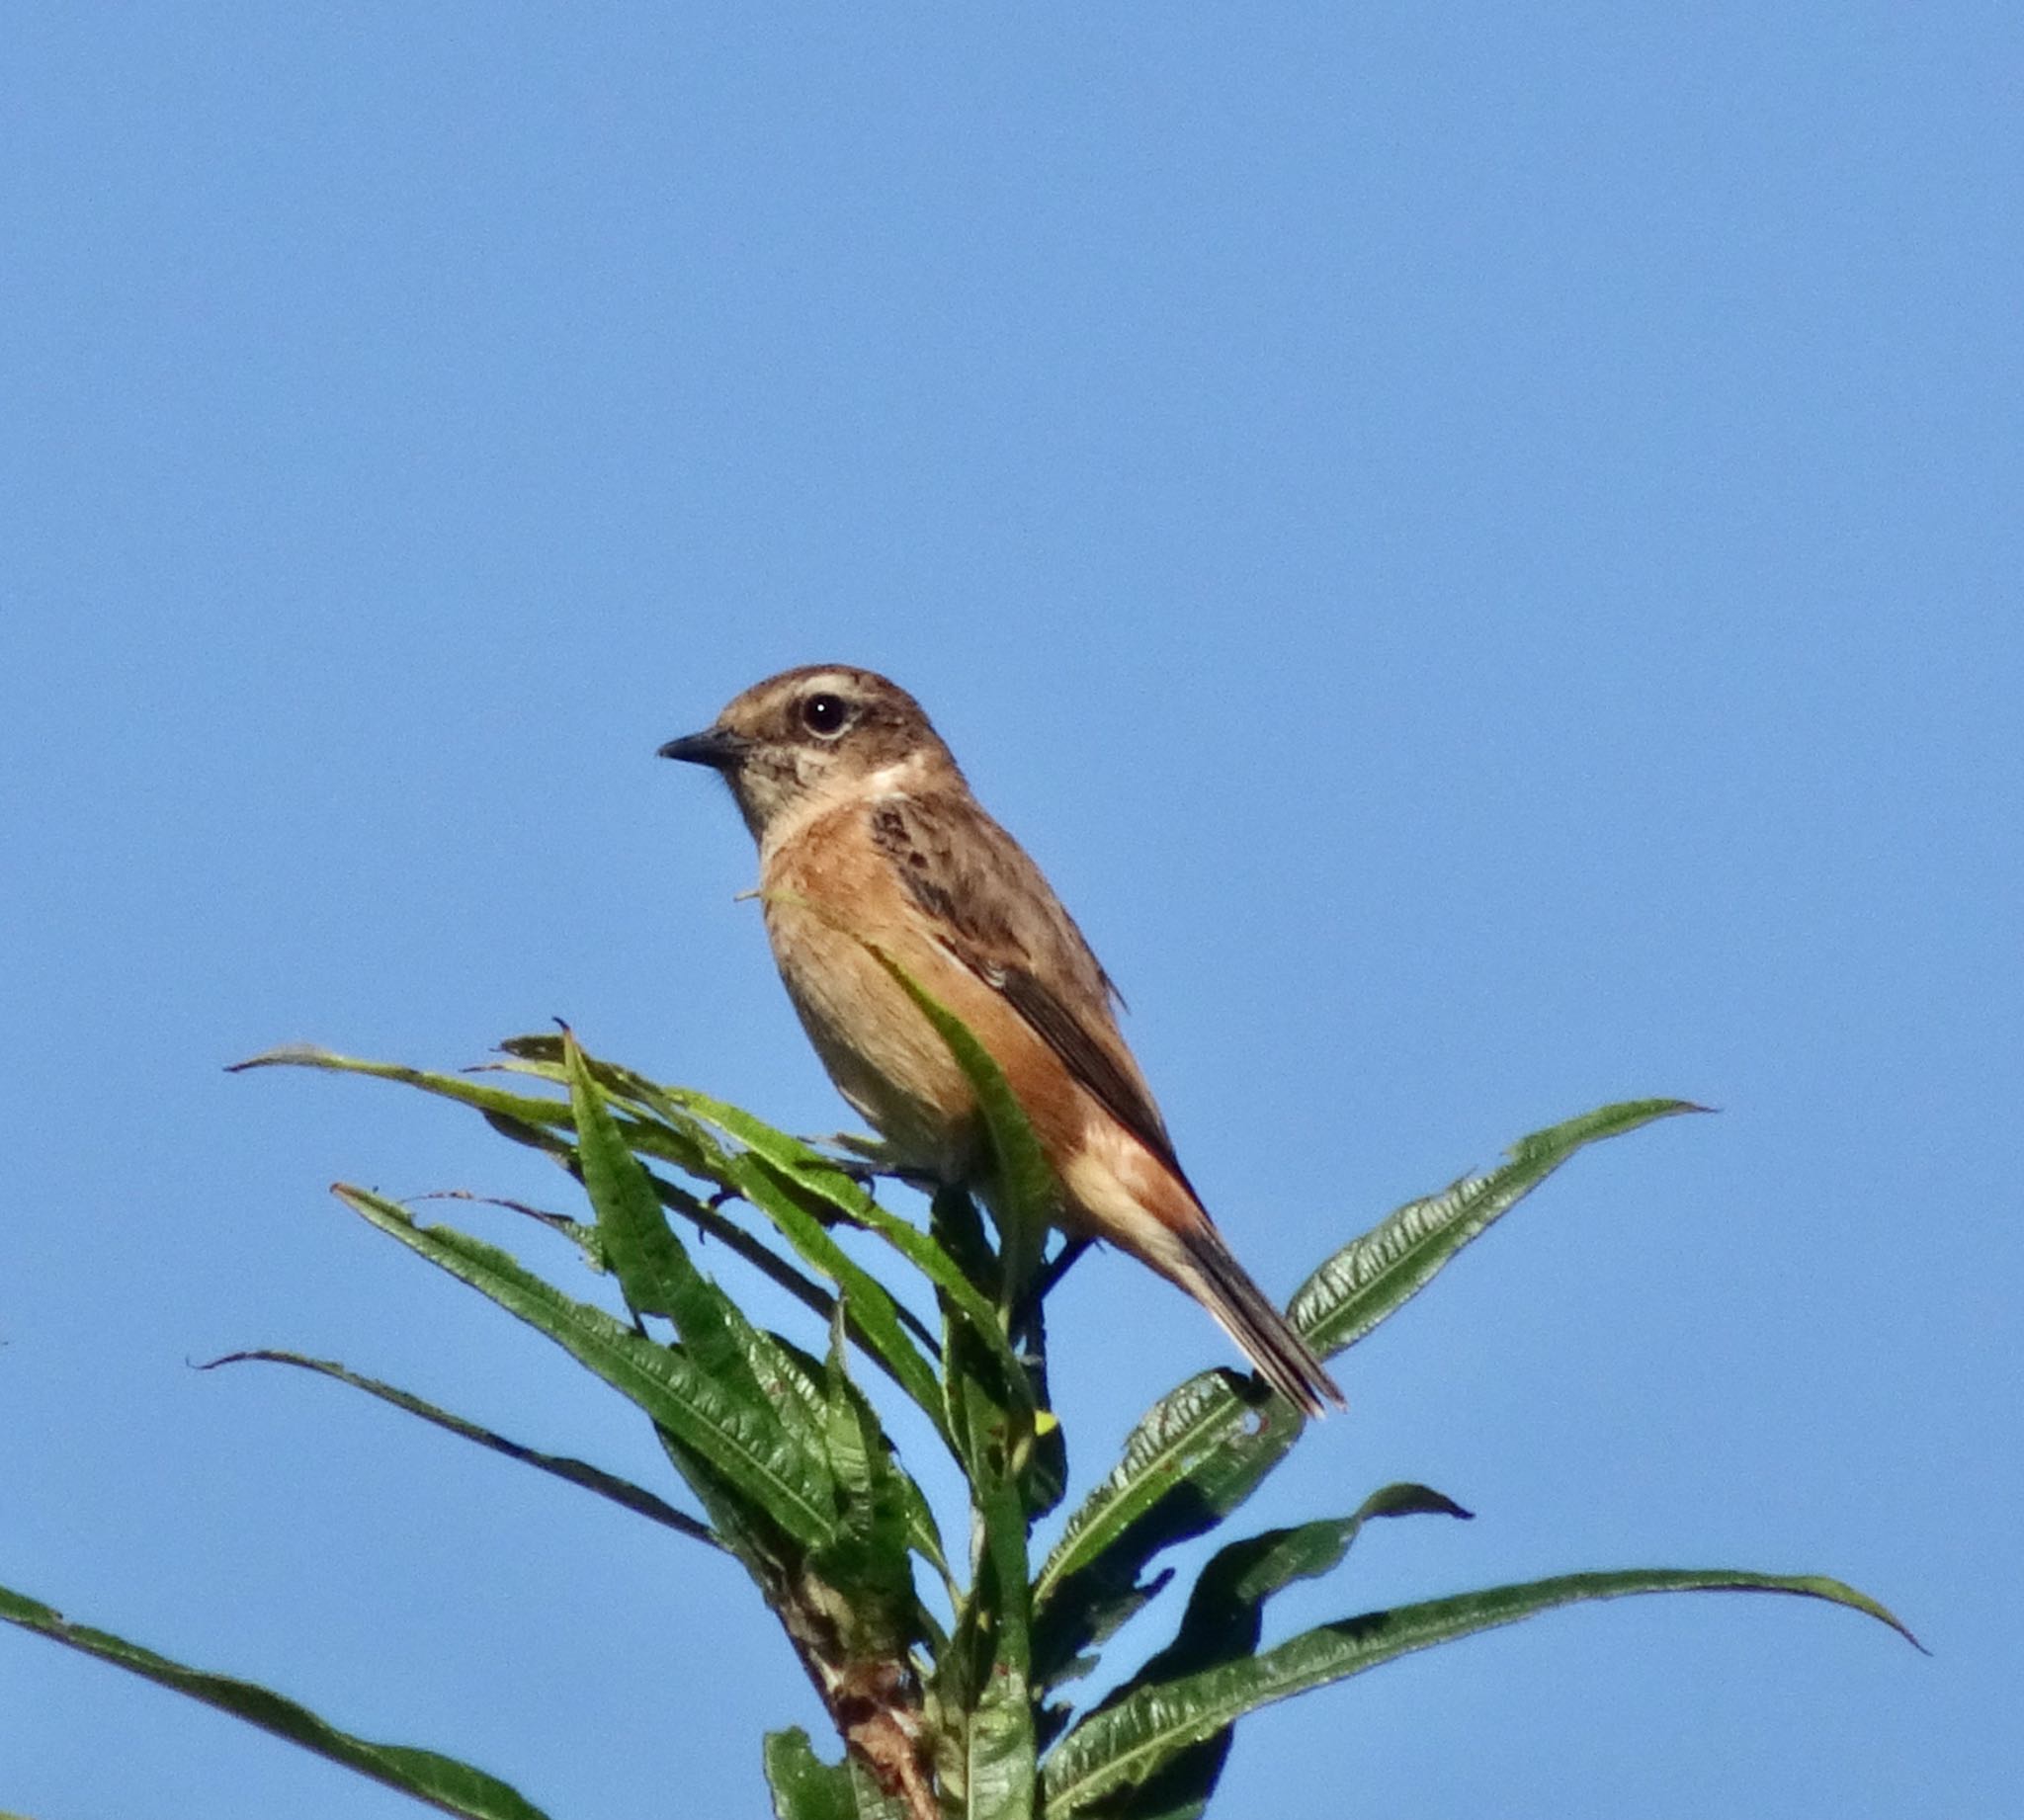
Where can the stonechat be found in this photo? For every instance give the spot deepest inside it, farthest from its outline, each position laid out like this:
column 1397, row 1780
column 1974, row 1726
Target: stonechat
column 868, row 835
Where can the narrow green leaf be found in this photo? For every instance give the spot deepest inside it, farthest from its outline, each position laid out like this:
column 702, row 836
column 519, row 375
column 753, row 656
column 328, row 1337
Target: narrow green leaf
column 1121, row 1746
column 867, row 1565
column 699, row 1213
column 804, row 1786
column 746, row 1529
column 1375, row 1276
column 1226, row 1605
column 1024, row 1191
column 1197, row 1455
column 442, row 1782
column 1225, row 1615
column 635, row 1498
column 780, row 1173
column 796, row 1163
column 656, row 1275
column 1000, row 1746
column 526, row 1109
column 521, row 1116
column 741, row 1444
column 877, row 1320
column 1202, row 1450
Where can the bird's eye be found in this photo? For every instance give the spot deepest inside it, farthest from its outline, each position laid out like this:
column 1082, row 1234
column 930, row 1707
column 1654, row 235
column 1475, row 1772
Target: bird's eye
column 824, row 716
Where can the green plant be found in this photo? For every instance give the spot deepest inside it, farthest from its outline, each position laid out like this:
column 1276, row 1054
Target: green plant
column 953, row 1701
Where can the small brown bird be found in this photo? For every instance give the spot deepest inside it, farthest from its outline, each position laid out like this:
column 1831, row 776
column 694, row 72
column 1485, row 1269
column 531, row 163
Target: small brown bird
column 867, row 833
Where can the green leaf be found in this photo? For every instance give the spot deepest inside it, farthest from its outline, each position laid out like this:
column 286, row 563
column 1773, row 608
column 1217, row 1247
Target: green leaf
column 1024, row 1194
column 1124, row 1745
column 635, row 1498
column 1203, row 1448
column 524, row 1117
column 744, row 1446
column 1225, row 1615
column 984, row 1676
column 874, row 1804
column 1226, row 1605
column 798, row 1165
column 868, row 1564
column 804, row 1786
column 549, row 1125
column 1197, row 1455
column 658, row 1276
column 781, row 1176
column 1375, row 1276
column 699, row 1213
column 1000, row 1745
column 442, row 1782
column 877, row 1321
column 526, row 1109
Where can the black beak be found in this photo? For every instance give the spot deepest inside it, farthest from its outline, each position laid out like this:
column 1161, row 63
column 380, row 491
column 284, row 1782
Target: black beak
column 717, row 747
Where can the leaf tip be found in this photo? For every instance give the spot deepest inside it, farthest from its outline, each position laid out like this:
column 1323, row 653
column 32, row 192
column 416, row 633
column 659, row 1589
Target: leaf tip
column 288, row 1054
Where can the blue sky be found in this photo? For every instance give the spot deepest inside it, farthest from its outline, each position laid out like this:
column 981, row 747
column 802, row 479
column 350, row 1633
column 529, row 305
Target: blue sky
column 1480, row 550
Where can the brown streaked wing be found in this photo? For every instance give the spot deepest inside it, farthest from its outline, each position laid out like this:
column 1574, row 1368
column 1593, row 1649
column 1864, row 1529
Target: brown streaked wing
column 999, row 918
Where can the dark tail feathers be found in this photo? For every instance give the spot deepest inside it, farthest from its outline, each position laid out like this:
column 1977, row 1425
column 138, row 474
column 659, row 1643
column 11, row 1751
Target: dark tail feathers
column 1284, row 1359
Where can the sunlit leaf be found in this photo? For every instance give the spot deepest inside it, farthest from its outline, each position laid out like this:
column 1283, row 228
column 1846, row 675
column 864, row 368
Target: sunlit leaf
column 656, row 1275
column 1124, row 1745
column 1225, row 1615
column 743, row 1445
column 1204, row 1449
column 1024, row 1194
column 1375, row 1276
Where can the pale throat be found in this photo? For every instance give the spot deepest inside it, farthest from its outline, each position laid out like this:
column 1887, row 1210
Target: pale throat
column 837, row 788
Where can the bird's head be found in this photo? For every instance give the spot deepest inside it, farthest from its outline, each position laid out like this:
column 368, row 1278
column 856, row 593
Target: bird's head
column 802, row 741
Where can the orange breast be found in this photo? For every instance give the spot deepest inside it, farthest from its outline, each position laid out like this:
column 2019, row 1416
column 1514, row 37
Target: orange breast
column 828, row 892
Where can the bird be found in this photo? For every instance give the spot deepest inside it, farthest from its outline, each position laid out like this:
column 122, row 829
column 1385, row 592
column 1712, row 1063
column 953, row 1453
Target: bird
column 872, row 845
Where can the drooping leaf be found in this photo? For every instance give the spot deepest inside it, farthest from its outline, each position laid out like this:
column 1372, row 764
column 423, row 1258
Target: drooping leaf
column 743, row 1446
column 1225, row 1607
column 442, row 1782
column 635, row 1498
column 1124, row 1745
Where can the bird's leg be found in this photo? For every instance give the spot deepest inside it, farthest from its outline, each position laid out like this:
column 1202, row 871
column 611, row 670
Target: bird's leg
column 1027, row 1329
column 1059, row 1264
column 867, row 1160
